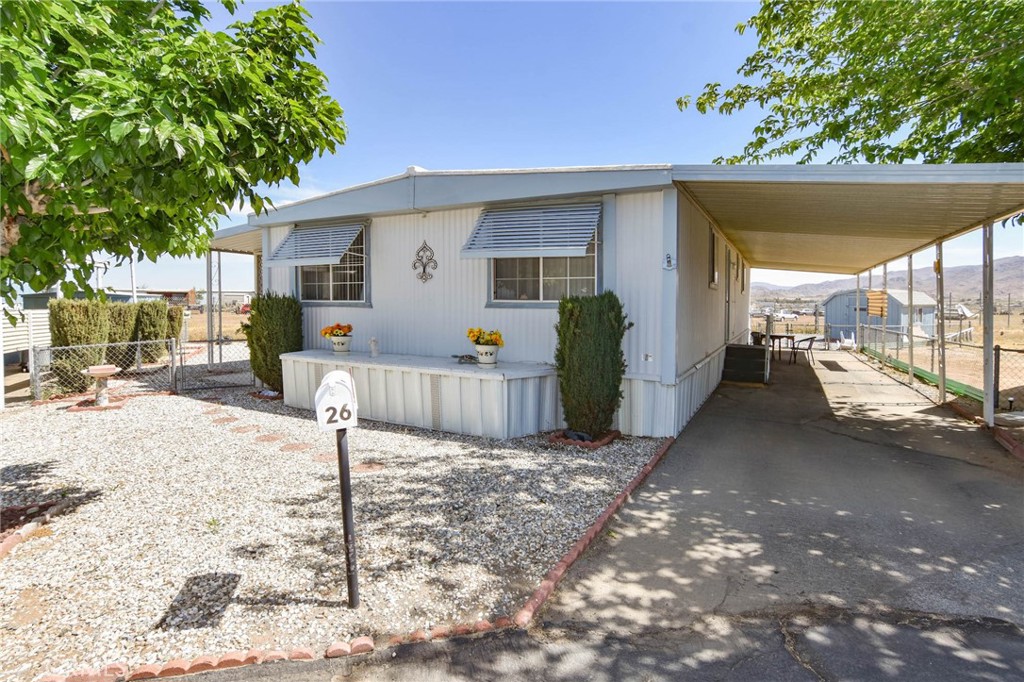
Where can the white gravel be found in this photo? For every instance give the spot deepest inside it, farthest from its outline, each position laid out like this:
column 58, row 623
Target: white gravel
column 191, row 538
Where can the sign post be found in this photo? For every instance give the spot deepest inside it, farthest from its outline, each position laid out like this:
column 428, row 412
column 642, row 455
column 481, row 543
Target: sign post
column 336, row 409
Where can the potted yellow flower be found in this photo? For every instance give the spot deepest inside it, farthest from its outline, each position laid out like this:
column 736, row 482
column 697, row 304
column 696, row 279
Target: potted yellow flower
column 340, row 336
column 487, row 344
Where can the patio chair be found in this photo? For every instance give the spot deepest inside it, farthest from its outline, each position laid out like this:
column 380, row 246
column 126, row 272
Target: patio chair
column 805, row 344
column 757, row 338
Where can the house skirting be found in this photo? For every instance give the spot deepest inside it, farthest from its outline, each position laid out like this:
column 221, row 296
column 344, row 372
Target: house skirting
column 650, row 408
column 514, row 399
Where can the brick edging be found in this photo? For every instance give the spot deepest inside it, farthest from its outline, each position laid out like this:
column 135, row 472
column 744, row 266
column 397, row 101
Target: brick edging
column 22, row 534
column 1004, row 437
column 117, row 672
column 559, row 438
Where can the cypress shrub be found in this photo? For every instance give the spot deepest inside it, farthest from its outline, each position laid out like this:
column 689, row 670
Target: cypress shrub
column 152, row 326
column 589, row 360
column 76, row 323
column 123, row 320
column 274, row 327
column 175, row 318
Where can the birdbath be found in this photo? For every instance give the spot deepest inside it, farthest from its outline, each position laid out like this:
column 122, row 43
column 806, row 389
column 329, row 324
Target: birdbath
column 101, row 373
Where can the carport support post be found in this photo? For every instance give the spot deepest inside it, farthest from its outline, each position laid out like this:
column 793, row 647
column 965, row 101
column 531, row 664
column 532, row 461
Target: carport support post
column 209, row 310
column 940, row 295
column 885, row 320
column 910, row 319
column 988, row 315
column 856, row 320
column 220, row 311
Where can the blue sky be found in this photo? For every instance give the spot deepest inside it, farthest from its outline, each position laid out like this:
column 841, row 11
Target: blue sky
column 515, row 85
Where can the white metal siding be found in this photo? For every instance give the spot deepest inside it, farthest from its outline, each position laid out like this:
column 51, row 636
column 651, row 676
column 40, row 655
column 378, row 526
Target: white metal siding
column 638, row 227
column 281, row 279
column 33, row 330
column 408, row 316
column 740, row 306
column 700, row 311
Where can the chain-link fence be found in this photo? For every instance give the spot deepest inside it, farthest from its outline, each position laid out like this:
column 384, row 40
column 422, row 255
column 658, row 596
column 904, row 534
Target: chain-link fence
column 965, row 362
column 142, row 367
column 1009, row 375
column 780, row 326
column 222, row 363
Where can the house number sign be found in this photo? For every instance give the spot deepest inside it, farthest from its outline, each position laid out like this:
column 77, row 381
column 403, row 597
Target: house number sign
column 424, row 260
column 336, row 402
column 336, row 410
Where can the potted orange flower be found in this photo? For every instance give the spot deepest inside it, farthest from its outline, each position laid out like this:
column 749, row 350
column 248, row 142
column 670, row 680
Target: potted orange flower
column 487, row 344
column 340, row 336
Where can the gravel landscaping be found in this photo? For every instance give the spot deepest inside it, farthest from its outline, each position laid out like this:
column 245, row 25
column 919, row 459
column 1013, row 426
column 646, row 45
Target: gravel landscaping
column 199, row 528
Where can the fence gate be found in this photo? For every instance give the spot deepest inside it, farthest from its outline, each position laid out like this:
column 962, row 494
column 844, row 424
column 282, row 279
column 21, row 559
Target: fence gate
column 215, row 363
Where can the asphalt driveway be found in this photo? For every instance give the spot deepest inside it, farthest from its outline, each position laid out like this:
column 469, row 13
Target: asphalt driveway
column 833, row 491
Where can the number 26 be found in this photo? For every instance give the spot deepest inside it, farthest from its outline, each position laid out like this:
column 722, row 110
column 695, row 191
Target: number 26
column 333, row 413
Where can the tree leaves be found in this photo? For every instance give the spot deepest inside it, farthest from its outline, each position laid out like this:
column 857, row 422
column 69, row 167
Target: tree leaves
column 937, row 82
column 140, row 139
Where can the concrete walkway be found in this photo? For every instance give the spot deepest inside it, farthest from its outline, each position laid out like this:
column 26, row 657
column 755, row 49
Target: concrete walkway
column 833, row 525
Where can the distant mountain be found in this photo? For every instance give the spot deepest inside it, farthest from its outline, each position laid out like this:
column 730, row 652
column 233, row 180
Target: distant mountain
column 766, row 286
column 962, row 283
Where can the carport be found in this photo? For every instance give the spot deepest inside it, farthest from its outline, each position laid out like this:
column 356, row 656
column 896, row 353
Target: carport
column 850, row 219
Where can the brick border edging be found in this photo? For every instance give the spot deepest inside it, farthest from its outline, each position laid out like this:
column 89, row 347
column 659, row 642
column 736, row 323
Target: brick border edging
column 22, row 534
column 117, row 672
column 559, row 438
column 1002, row 436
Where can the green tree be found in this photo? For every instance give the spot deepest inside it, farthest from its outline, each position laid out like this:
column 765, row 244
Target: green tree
column 128, row 127
column 882, row 82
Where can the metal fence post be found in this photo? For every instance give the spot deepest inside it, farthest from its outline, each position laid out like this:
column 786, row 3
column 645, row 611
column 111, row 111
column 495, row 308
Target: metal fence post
column 33, row 374
column 174, row 367
column 995, row 379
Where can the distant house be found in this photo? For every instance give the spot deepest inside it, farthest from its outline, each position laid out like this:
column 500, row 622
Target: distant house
column 41, row 300
column 841, row 313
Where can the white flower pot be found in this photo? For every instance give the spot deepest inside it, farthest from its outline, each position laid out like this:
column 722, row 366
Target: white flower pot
column 341, row 344
column 487, row 356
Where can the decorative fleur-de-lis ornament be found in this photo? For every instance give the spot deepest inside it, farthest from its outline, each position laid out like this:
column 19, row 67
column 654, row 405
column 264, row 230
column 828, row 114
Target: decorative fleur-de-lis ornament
column 424, row 260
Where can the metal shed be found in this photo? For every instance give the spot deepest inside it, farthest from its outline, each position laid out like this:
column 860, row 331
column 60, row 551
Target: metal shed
column 841, row 313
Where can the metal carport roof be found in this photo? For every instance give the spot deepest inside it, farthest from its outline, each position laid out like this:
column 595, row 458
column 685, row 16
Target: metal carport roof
column 238, row 239
column 848, row 218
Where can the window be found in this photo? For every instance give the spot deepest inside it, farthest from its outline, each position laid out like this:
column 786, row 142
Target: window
column 344, row 281
column 549, row 278
column 538, row 253
column 712, row 258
